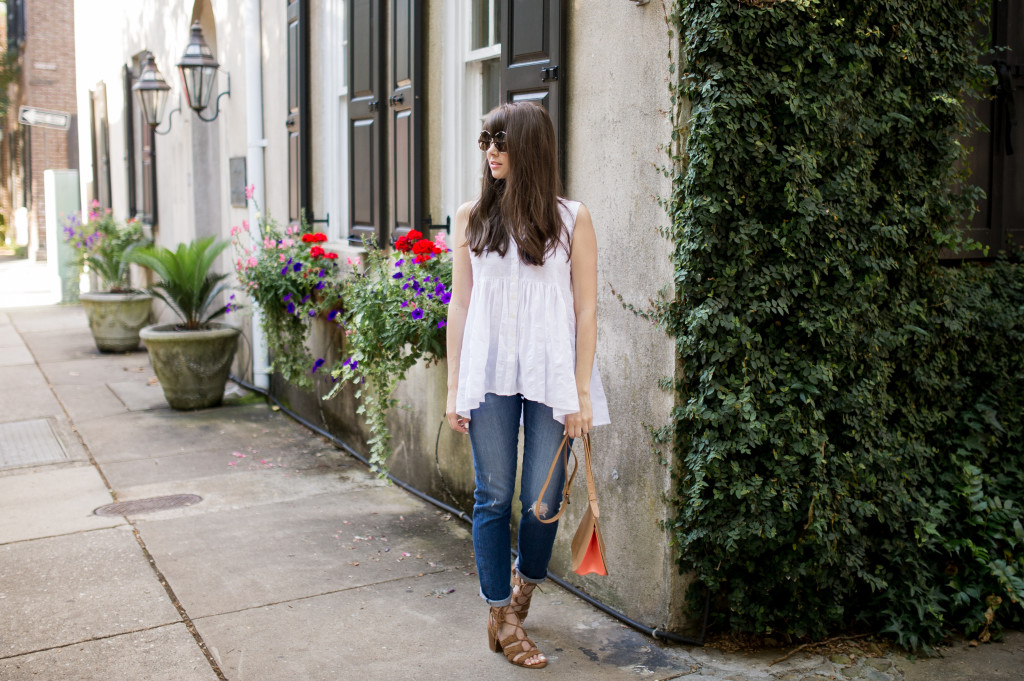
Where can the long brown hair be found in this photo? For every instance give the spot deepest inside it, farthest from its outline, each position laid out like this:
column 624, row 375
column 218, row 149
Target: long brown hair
column 523, row 206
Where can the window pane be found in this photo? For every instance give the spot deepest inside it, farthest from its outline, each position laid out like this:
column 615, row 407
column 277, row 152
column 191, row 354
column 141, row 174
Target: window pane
column 481, row 25
column 491, row 90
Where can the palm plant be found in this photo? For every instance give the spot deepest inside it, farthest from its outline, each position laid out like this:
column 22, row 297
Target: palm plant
column 186, row 283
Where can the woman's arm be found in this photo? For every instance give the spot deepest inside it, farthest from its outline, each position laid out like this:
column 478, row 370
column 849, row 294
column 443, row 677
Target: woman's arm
column 584, row 292
column 458, row 306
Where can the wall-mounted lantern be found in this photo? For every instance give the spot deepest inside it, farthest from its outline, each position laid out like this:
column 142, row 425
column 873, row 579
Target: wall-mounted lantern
column 198, row 69
column 152, row 90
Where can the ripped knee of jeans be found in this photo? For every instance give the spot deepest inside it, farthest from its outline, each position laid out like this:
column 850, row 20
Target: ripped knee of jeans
column 539, row 509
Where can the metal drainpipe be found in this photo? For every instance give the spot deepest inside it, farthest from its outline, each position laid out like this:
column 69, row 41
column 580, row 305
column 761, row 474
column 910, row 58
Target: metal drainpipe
column 256, row 144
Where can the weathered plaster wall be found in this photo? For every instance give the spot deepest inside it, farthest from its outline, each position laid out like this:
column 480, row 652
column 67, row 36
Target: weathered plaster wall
column 616, row 125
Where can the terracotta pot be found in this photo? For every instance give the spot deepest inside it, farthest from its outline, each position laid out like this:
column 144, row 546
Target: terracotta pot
column 116, row 318
column 192, row 366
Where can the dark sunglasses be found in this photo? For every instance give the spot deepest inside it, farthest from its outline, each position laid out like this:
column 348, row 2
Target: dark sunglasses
column 497, row 138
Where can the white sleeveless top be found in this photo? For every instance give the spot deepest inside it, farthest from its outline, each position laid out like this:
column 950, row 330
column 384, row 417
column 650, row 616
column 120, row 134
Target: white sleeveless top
column 520, row 335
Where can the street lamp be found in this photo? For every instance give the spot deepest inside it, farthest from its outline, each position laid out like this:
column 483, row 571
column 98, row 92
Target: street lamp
column 152, row 90
column 198, row 69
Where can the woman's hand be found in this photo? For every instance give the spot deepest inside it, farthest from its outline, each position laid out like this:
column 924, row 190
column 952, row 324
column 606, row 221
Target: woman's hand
column 459, row 424
column 582, row 421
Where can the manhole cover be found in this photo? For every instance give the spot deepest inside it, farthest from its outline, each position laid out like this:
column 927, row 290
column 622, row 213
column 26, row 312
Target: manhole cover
column 29, row 443
column 148, row 505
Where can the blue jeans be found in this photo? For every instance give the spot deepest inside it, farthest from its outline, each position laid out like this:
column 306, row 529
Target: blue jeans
column 494, row 435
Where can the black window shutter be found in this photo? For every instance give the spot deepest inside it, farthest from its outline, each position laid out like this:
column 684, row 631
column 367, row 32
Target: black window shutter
column 147, row 145
column 405, row 103
column 298, row 121
column 100, row 146
column 129, row 138
column 532, row 67
column 366, row 121
column 997, row 152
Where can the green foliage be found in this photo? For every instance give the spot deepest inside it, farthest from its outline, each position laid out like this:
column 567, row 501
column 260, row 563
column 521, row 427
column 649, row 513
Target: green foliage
column 186, row 284
column 104, row 246
column 293, row 281
column 395, row 314
column 848, row 428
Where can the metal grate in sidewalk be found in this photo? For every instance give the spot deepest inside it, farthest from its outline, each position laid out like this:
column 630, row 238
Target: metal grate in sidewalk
column 148, row 505
column 29, row 443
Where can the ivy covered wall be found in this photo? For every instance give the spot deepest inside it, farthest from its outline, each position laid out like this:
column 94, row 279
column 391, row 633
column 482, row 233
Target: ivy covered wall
column 850, row 449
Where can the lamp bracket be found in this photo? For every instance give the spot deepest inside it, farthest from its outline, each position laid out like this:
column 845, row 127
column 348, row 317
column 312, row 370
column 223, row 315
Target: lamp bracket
column 217, row 102
column 170, row 115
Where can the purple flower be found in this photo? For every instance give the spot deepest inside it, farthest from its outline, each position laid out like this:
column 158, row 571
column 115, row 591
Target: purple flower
column 296, row 267
column 417, row 314
column 400, row 262
column 405, row 303
column 291, row 308
column 441, row 324
column 406, row 286
column 316, row 365
column 351, row 363
column 397, row 275
column 332, row 314
column 285, row 297
column 312, row 313
column 284, row 270
column 446, row 297
column 427, row 279
column 322, row 274
column 319, row 286
column 304, row 299
column 439, row 289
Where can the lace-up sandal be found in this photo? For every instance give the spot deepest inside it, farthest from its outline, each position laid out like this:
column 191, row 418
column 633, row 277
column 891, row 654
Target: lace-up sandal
column 517, row 646
column 522, row 592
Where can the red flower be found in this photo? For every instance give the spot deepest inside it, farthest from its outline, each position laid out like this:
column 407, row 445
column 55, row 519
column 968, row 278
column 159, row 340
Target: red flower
column 422, row 257
column 414, row 235
column 403, row 244
column 423, row 246
column 319, row 236
column 307, row 238
column 331, row 256
column 316, row 252
column 314, row 238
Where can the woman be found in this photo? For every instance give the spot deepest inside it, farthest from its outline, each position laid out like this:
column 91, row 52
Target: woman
column 522, row 328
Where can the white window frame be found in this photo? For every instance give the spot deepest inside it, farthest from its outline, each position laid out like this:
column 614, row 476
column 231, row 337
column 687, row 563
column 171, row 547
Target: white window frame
column 462, row 101
column 335, row 116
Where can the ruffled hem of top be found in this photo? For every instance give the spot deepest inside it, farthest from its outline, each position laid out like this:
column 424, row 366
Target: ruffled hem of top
column 546, row 342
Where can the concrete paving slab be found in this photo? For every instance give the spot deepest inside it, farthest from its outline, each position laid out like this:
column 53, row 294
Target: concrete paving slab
column 222, row 562
column 140, row 395
column 92, row 370
column 249, row 429
column 418, row 628
column 15, row 355
column 192, row 466
column 65, row 344
column 45, row 502
column 76, row 588
column 9, row 337
column 49, row 318
column 88, row 402
column 990, row 662
column 25, row 394
column 162, row 654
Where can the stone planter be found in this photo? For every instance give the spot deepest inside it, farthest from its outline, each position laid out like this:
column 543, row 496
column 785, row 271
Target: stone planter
column 192, row 366
column 116, row 318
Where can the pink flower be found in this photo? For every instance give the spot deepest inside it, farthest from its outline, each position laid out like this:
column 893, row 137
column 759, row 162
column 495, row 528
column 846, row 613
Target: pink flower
column 292, row 229
column 281, row 257
column 442, row 247
column 251, row 262
column 354, row 261
column 269, row 243
column 287, row 243
column 245, row 225
column 238, row 265
column 234, row 230
column 95, row 203
column 249, row 191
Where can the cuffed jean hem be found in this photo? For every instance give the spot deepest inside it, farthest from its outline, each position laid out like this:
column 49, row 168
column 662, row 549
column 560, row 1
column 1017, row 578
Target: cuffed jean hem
column 527, row 578
column 496, row 604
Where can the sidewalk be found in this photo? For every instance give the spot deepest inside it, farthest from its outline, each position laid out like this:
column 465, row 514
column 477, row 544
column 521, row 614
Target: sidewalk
column 295, row 564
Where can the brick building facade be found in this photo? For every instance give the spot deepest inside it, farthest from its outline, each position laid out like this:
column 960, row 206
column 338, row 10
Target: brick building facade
column 43, row 34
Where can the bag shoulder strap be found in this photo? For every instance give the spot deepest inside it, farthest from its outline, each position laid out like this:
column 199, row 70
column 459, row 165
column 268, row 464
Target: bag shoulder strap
column 591, row 487
column 562, row 455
